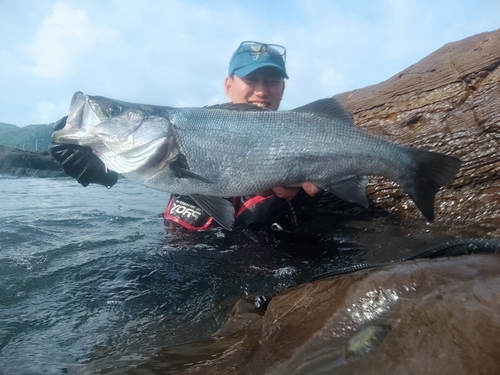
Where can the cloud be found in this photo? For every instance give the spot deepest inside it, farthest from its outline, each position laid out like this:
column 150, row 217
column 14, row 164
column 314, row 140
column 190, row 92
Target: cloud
column 45, row 112
column 176, row 52
column 62, row 38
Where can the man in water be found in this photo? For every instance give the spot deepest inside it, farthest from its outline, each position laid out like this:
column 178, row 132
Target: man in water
column 256, row 76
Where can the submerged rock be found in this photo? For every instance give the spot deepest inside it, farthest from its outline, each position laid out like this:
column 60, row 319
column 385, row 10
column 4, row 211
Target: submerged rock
column 448, row 102
column 439, row 316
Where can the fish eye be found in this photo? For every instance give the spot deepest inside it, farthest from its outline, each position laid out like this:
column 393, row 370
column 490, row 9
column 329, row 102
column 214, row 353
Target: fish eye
column 114, row 109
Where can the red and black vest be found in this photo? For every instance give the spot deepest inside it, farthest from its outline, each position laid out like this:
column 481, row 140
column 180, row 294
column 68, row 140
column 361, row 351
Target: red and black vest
column 251, row 212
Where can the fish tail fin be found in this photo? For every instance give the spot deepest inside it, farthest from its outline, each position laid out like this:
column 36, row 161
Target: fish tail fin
column 428, row 172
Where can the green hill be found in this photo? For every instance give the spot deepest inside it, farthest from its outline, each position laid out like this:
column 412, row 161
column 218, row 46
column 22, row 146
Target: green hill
column 31, row 137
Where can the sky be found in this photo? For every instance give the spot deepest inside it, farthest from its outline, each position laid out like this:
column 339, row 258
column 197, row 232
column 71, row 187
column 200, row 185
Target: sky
column 176, row 52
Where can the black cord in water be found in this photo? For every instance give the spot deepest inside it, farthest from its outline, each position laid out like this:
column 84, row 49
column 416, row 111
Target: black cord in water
column 448, row 249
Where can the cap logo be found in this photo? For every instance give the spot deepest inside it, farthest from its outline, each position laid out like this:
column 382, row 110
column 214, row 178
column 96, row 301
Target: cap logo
column 256, row 50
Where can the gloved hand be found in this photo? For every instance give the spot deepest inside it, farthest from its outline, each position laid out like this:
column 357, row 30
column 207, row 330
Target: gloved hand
column 80, row 163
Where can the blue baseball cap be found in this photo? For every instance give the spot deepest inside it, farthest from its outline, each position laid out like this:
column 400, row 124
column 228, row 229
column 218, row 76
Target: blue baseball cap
column 254, row 55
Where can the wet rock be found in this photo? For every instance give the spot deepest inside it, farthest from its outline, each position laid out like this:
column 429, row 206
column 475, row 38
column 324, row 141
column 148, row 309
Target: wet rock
column 28, row 163
column 439, row 316
column 448, row 102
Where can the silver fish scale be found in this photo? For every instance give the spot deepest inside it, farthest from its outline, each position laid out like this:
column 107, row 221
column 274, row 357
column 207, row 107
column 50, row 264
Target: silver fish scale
column 246, row 152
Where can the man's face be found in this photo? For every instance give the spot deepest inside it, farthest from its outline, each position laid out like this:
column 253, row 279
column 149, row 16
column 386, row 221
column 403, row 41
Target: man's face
column 263, row 87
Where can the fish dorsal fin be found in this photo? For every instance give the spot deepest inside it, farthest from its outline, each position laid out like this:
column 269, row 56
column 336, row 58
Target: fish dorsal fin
column 236, row 107
column 219, row 208
column 328, row 107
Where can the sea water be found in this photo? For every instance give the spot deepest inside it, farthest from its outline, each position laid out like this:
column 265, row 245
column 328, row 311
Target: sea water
column 92, row 276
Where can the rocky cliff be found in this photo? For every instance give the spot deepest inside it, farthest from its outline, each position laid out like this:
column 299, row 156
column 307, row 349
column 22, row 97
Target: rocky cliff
column 448, row 102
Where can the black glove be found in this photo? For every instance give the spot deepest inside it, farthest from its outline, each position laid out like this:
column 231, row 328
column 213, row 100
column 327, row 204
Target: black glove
column 80, row 162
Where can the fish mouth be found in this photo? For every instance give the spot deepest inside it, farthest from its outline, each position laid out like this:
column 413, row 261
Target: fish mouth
column 81, row 117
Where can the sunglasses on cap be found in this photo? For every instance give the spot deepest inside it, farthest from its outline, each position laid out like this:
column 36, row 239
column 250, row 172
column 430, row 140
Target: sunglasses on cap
column 257, row 47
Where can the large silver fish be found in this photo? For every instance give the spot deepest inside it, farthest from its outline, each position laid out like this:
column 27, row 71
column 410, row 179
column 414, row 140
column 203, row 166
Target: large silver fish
column 236, row 150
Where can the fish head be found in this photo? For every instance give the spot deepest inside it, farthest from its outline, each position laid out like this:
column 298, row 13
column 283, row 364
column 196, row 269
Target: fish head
column 125, row 136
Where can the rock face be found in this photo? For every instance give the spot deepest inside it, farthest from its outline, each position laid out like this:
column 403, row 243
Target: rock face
column 28, row 163
column 448, row 102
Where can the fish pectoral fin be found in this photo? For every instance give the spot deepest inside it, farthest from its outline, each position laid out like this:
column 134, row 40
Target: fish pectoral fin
column 219, row 208
column 186, row 173
column 351, row 189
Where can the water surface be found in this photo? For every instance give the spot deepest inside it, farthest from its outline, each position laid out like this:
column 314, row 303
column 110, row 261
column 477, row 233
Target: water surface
column 91, row 275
